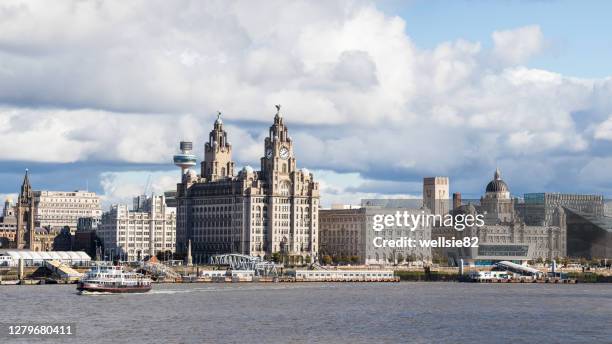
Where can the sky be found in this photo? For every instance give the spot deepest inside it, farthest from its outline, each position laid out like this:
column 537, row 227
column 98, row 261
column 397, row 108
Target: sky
column 377, row 95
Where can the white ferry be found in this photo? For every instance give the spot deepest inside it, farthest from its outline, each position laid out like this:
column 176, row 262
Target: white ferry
column 112, row 279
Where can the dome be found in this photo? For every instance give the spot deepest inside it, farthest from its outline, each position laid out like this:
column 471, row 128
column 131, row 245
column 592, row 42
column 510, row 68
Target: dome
column 247, row 169
column 497, row 184
column 305, row 171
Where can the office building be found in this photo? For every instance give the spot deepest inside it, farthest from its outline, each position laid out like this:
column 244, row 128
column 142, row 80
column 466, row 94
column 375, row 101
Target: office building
column 588, row 236
column 59, row 209
column 138, row 233
column 342, row 233
column 538, row 208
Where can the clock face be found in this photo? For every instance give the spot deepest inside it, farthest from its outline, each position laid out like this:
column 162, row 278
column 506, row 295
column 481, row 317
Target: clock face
column 268, row 153
column 284, row 153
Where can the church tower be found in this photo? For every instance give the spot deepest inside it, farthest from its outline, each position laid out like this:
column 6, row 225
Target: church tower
column 24, row 211
column 217, row 162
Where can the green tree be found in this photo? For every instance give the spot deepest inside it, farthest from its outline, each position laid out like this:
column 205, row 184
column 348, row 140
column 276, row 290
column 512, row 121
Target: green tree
column 308, row 260
column 355, row 259
column 327, row 259
column 276, row 257
column 400, row 258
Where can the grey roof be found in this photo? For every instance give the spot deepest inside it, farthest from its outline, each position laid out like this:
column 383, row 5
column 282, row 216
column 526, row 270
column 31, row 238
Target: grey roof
column 46, row 255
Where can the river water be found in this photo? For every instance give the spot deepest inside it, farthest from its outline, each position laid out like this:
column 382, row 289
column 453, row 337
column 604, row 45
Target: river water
column 407, row 312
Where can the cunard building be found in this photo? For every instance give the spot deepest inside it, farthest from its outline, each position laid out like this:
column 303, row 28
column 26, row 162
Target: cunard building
column 257, row 213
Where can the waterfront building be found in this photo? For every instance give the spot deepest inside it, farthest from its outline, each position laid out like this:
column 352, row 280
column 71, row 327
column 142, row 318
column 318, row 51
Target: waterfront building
column 59, row 209
column 436, row 195
column 496, row 204
column 397, row 255
column 138, row 233
column 258, row 213
column 12, row 257
column 342, row 233
column 588, row 236
column 8, row 224
column 504, row 235
column 88, row 223
column 538, row 208
column 19, row 227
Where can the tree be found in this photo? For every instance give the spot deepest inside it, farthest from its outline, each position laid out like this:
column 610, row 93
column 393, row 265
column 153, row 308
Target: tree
column 308, row 260
column 276, row 257
column 400, row 258
column 565, row 261
column 355, row 259
column 595, row 262
column 327, row 259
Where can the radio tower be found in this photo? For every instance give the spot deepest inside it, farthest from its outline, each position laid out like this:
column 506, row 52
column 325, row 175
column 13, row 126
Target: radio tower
column 185, row 160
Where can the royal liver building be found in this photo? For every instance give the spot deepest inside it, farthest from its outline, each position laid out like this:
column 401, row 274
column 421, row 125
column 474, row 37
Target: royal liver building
column 256, row 213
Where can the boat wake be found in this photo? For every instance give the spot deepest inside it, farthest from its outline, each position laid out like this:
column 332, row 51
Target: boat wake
column 168, row 292
column 92, row 293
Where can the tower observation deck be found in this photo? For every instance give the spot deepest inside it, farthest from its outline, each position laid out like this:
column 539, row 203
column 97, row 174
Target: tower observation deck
column 185, row 160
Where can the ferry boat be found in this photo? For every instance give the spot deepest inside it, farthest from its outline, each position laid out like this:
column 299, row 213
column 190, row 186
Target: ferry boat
column 113, row 279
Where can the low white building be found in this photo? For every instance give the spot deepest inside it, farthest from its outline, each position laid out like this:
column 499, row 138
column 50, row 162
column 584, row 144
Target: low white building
column 34, row 258
column 142, row 232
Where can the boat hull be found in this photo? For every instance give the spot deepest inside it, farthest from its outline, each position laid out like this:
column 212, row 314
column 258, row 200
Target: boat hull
column 84, row 287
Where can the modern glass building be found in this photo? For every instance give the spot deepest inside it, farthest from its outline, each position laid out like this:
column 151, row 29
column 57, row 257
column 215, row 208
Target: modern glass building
column 538, row 208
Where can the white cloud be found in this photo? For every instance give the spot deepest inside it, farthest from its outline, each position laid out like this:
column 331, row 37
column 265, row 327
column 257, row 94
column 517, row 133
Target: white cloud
column 604, row 130
column 122, row 187
column 102, row 81
column 517, row 45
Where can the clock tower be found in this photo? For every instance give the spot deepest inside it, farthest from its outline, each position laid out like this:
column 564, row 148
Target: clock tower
column 259, row 213
column 278, row 162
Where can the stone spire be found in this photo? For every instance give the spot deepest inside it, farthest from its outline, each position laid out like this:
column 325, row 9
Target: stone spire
column 26, row 188
column 497, row 175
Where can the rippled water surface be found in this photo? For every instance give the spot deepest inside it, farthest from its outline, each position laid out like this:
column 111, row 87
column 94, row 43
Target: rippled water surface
column 322, row 313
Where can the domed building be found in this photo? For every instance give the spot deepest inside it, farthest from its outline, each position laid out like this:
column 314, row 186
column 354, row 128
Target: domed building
column 496, row 204
column 503, row 235
column 497, row 188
